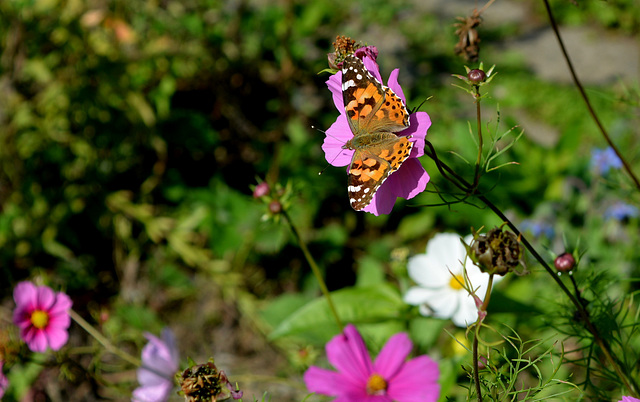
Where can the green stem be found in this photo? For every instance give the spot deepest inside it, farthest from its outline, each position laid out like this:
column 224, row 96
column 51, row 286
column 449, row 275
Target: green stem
column 476, row 374
column 476, row 178
column 314, row 268
column 578, row 84
column 102, row 340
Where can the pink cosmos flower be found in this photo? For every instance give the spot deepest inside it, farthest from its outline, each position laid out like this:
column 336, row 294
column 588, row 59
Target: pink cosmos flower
column 389, row 378
column 629, row 399
column 4, row 381
column 408, row 181
column 42, row 316
column 160, row 360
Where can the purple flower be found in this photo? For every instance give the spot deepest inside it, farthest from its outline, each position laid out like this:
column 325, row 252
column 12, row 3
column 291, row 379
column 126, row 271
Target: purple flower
column 389, row 378
column 629, row 399
column 620, row 211
column 603, row 160
column 4, row 381
column 42, row 316
column 408, row 181
column 159, row 366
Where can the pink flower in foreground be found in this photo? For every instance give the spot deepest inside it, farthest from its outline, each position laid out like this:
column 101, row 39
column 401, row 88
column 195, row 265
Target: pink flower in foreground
column 629, row 399
column 159, row 366
column 389, row 378
column 410, row 179
column 4, row 382
column 42, row 316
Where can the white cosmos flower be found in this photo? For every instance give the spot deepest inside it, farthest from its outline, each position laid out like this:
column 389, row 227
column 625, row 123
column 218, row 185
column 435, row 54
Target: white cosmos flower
column 438, row 293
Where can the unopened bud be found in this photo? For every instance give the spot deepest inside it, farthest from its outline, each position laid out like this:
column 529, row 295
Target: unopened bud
column 275, row 207
column 476, row 76
column 565, row 262
column 261, row 190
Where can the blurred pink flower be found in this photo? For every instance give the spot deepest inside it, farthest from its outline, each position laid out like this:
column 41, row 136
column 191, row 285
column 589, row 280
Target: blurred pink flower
column 629, row 399
column 42, row 316
column 4, row 381
column 408, row 181
column 389, row 378
column 159, row 366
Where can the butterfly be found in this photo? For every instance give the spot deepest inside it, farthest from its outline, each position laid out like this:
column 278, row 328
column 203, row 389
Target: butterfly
column 375, row 113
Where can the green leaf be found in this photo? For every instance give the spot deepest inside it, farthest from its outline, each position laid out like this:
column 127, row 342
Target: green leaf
column 315, row 323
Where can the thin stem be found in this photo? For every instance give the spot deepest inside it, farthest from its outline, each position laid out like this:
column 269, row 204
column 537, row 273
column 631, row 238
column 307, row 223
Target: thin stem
column 314, row 268
column 476, row 374
column 110, row 347
column 476, row 179
column 481, row 315
column 578, row 84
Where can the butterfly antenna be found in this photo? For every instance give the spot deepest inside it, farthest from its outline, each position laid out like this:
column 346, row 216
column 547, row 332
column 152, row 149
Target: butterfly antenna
column 336, row 157
column 420, row 105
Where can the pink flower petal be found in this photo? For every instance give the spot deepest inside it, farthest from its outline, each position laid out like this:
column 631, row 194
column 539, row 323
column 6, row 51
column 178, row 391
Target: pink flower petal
column 348, row 353
column 56, row 338
column 61, row 304
column 392, row 355
column 46, row 298
column 417, row 381
column 419, row 124
column 25, row 295
column 36, row 340
column 4, row 381
column 393, row 84
column 336, row 136
column 327, row 382
column 372, row 66
column 334, row 83
column 408, row 181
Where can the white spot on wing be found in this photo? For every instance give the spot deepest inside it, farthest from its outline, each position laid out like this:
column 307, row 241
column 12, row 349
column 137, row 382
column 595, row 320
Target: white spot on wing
column 348, row 84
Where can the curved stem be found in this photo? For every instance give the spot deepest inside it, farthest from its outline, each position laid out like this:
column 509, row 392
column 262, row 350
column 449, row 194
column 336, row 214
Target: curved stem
column 578, row 84
column 103, row 340
column 314, row 268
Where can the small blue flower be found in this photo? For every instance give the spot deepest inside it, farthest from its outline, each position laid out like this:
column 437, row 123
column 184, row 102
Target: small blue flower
column 620, row 211
column 603, row 160
column 537, row 228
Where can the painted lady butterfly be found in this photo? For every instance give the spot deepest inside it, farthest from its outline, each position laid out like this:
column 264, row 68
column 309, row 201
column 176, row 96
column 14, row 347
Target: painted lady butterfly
column 375, row 113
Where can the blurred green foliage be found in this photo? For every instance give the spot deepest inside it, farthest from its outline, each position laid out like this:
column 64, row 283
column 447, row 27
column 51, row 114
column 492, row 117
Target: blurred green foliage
column 131, row 133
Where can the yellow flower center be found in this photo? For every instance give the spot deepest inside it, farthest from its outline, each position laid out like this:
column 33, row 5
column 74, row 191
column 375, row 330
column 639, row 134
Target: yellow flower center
column 376, row 385
column 39, row 319
column 456, row 282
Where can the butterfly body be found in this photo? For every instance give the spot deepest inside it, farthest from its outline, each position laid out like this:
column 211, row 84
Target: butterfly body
column 375, row 113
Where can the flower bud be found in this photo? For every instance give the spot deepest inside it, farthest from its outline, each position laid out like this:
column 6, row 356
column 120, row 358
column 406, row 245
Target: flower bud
column 497, row 252
column 275, row 207
column 476, row 76
column 564, row 262
column 261, row 190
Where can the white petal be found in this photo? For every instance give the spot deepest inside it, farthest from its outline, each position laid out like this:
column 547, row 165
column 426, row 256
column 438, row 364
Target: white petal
column 425, row 272
column 467, row 312
column 444, row 304
column 417, row 295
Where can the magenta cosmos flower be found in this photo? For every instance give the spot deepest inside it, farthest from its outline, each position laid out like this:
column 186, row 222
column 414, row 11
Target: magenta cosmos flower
column 410, row 179
column 42, row 316
column 4, row 382
column 160, row 360
column 389, row 378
